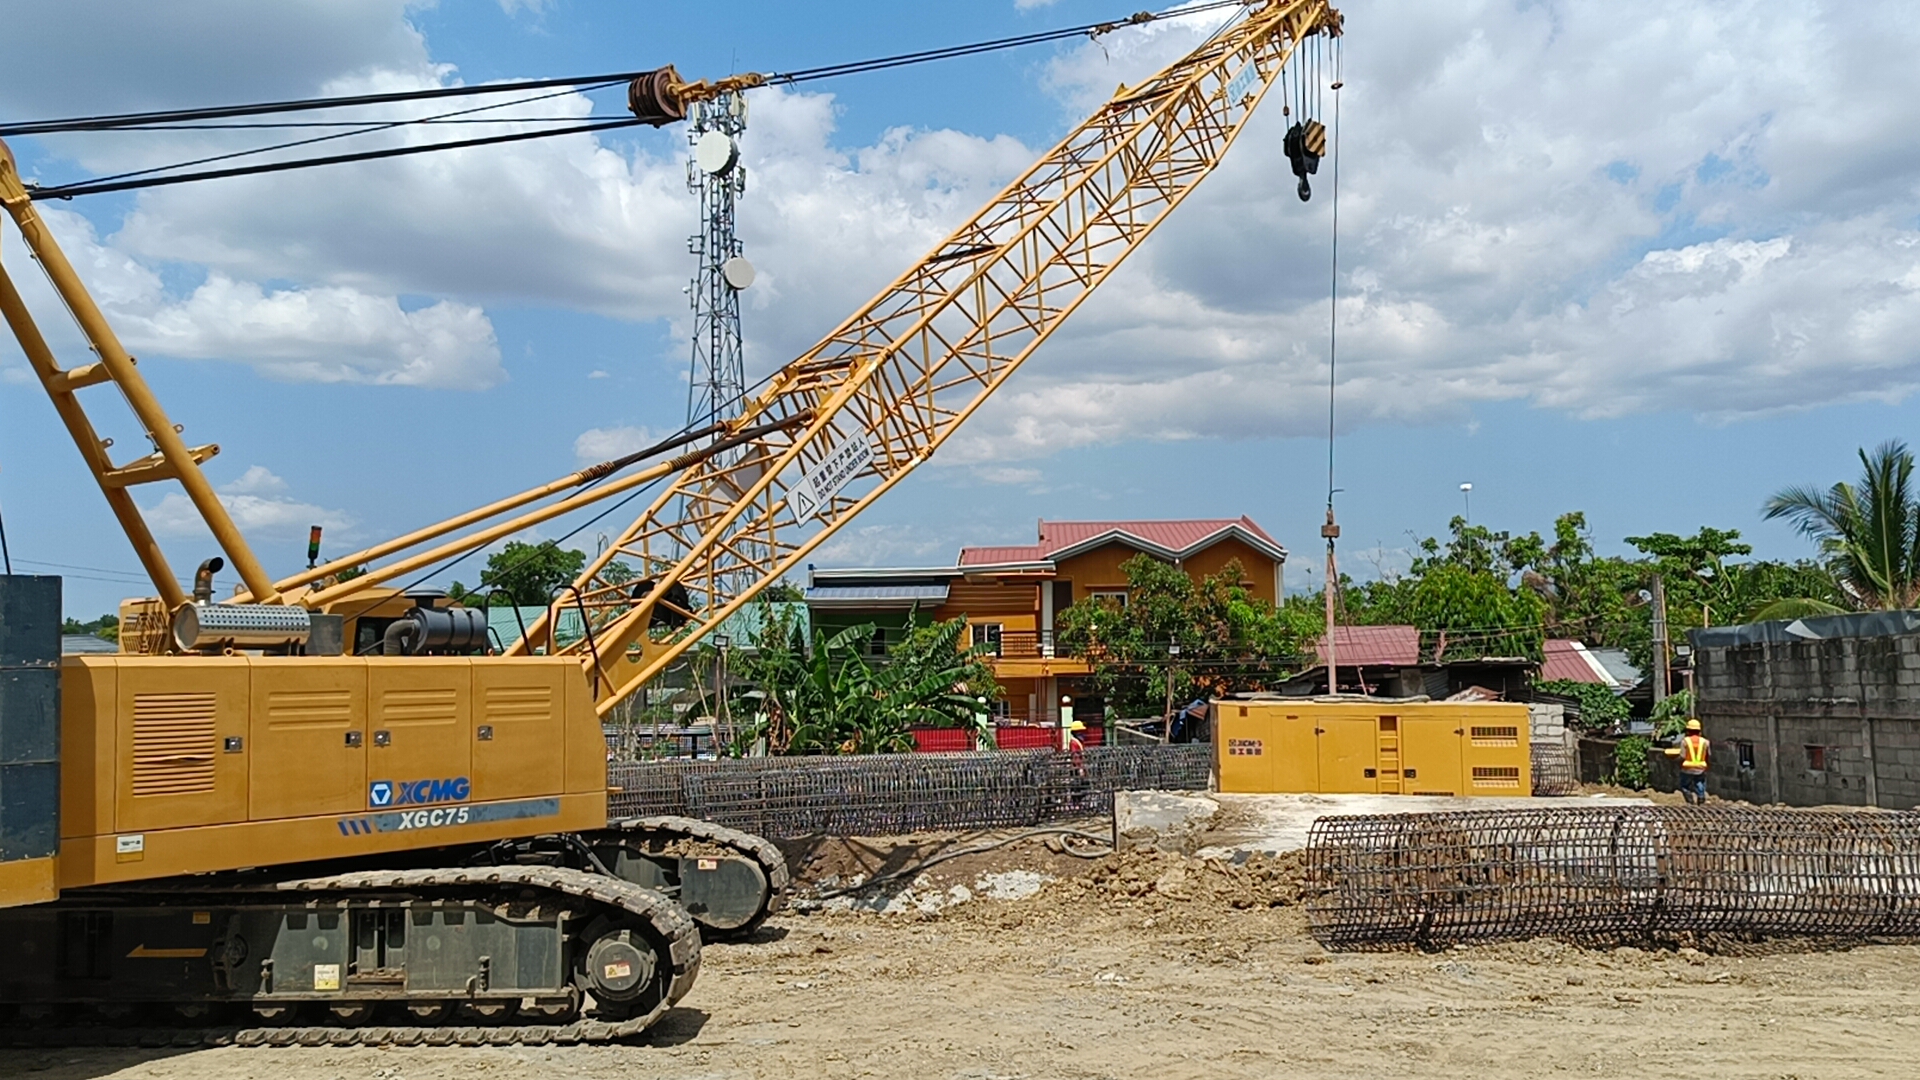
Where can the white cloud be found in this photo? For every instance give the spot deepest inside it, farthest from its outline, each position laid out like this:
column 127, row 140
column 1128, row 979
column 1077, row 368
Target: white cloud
column 1590, row 206
column 322, row 334
column 598, row 374
column 259, row 505
column 1003, row 474
column 886, row 545
column 603, row 444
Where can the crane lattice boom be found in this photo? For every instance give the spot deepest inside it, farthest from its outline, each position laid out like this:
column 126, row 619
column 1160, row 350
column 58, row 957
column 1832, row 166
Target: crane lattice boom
column 886, row 388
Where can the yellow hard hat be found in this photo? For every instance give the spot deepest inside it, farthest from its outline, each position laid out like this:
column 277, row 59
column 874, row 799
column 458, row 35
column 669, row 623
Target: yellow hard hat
column 1693, row 725
column 1076, row 726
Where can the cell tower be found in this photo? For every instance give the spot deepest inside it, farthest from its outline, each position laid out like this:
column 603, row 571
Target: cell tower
column 719, row 377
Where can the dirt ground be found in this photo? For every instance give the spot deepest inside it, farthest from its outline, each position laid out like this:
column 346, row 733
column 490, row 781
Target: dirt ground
column 1164, row 966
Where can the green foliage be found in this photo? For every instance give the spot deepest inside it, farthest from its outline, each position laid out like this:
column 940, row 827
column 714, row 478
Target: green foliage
column 350, row 573
column 1793, row 607
column 106, row 627
column 824, row 697
column 1600, row 708
column 1671, row 715
column 1458, row 596
column 1229, row 640
column 1630, row 768
column 1483, row 593
column 1869, row 533
column 527, row 573
column 782, row 592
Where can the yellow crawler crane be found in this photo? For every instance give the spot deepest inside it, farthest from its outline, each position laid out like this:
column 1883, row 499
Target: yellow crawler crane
column 327, row 800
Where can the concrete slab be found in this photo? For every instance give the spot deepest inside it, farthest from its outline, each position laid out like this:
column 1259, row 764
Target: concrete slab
column 1272, row 824
column 1162, row 820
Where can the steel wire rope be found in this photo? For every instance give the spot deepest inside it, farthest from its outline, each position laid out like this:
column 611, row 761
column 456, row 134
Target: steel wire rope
column 141, row 180
column 121, row 120
column 363, row 128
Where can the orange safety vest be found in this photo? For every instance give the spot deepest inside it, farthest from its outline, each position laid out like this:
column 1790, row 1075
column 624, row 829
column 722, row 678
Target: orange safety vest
column 1695, row 757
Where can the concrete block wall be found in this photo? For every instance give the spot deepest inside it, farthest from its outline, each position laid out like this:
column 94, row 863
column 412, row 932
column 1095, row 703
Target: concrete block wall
column 1857, row 700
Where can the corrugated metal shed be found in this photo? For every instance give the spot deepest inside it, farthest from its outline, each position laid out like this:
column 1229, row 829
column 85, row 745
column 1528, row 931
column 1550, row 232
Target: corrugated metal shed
column 877, row 596
column 1369, row 646
column 85, row 644
column 1569, row 660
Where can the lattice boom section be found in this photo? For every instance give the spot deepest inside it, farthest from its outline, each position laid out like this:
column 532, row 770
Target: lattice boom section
column 896, row 380
column 1610, row 872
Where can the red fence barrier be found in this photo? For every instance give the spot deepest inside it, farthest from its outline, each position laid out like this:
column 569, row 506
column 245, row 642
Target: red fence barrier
column 1007, row 736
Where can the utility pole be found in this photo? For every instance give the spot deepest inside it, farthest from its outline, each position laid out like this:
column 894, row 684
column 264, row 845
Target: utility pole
column 722, row 713
column 1173, row 656
column 1660, row 687
column 1332, row 532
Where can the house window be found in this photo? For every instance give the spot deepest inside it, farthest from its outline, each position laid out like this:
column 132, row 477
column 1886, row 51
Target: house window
column 1746, row 755
column 987, row 635
column 1002, row 710
column 1816, row 759
column 1116, row 598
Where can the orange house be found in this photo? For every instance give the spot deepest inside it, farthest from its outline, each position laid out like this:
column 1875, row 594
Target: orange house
column 1009, row 596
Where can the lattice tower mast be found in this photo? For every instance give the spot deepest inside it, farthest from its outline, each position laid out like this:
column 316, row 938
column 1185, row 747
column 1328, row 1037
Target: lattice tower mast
column 718, row 378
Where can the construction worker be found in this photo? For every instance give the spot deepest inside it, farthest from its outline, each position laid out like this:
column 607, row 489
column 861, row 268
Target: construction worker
column 1692, row 753
column 1074, row 745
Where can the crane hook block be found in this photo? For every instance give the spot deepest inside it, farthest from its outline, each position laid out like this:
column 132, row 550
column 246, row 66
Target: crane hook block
column 655, row 97
column 1305, row 143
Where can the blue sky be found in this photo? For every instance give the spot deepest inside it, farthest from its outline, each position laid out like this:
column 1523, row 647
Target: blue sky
column 1650, row 261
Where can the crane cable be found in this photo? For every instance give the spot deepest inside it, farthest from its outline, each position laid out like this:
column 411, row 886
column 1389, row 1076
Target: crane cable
column 122, row 120
column 168, row 119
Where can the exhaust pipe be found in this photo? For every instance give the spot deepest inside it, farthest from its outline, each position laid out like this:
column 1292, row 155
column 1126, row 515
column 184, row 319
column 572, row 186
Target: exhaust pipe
column 203, row 580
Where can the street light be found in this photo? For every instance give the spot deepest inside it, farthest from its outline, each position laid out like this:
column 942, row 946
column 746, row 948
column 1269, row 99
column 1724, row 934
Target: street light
column 1466, row 492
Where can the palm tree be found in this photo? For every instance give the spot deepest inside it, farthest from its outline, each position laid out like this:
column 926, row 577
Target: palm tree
column 1870, row 534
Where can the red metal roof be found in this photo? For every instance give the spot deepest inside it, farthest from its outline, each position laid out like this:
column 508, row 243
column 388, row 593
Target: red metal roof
column 1172, row 535
column 990, row 556
column 1569, row 660
column 1373, row 645
column 1181, row 537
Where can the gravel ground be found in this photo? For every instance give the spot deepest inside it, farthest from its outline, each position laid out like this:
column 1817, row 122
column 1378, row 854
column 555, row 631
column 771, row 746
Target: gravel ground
column 1154, row 965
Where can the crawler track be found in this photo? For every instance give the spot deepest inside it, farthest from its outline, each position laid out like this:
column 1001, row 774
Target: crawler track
column 667, row 828
column 678, row 937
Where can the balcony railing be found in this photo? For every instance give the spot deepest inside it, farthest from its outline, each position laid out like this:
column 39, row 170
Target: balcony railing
column 1029, row 645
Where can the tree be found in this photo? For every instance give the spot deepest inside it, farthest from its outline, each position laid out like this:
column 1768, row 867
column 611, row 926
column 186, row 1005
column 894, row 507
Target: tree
column 1458, row 596
column 1869, row 533
column 1229, row 639
column 527, row 573
column 829, row 699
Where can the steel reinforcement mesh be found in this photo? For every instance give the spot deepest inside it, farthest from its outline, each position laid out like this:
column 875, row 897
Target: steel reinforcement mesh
column 1610, row 872
column 885, row 794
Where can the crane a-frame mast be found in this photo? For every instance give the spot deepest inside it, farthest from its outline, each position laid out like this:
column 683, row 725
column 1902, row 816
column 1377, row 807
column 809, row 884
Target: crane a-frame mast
column 886, row 388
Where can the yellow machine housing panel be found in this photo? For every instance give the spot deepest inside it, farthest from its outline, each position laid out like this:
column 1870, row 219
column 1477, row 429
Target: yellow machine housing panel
column 1365, row 747
column 192, row 765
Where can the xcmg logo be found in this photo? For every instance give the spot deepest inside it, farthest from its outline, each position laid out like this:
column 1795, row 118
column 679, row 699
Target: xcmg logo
column 384, row 793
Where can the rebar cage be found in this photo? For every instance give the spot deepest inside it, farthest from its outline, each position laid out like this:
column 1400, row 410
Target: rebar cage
column 888, row 794
column 1610, row 872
